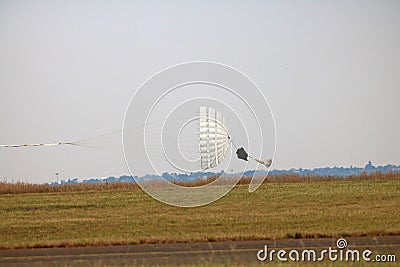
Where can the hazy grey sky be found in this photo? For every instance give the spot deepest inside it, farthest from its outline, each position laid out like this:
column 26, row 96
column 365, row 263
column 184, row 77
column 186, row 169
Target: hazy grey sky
column 330, row 71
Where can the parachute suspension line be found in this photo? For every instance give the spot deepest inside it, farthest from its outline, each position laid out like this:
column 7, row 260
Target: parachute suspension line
column 86, row 141
column 233, row 142
column 53, row 144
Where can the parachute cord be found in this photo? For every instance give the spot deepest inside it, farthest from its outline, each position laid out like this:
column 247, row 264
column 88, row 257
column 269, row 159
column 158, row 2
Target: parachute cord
column 26, row 145
column 233, row 143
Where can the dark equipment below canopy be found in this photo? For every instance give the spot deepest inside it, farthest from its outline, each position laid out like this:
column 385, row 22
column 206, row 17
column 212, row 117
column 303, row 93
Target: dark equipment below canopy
column 242, row 154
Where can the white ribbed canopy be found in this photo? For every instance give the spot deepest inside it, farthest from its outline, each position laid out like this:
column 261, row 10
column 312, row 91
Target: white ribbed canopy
column 214, row 138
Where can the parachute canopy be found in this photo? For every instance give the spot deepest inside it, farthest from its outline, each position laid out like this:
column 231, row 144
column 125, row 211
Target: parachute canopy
column 214, row 138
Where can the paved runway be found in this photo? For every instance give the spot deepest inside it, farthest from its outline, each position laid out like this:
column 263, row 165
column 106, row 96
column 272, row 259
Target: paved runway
column 205, row 253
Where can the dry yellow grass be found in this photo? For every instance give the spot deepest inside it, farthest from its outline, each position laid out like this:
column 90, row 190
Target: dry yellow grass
column 24, row 188
column 122, row 214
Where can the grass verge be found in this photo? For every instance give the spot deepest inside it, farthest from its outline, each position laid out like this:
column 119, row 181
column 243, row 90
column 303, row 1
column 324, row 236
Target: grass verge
column 129, row 216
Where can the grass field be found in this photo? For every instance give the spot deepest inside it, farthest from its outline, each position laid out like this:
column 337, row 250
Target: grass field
column 123, row 214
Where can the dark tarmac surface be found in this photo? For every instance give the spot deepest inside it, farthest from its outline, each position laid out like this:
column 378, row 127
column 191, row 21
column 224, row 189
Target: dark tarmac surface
column 203, row 254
